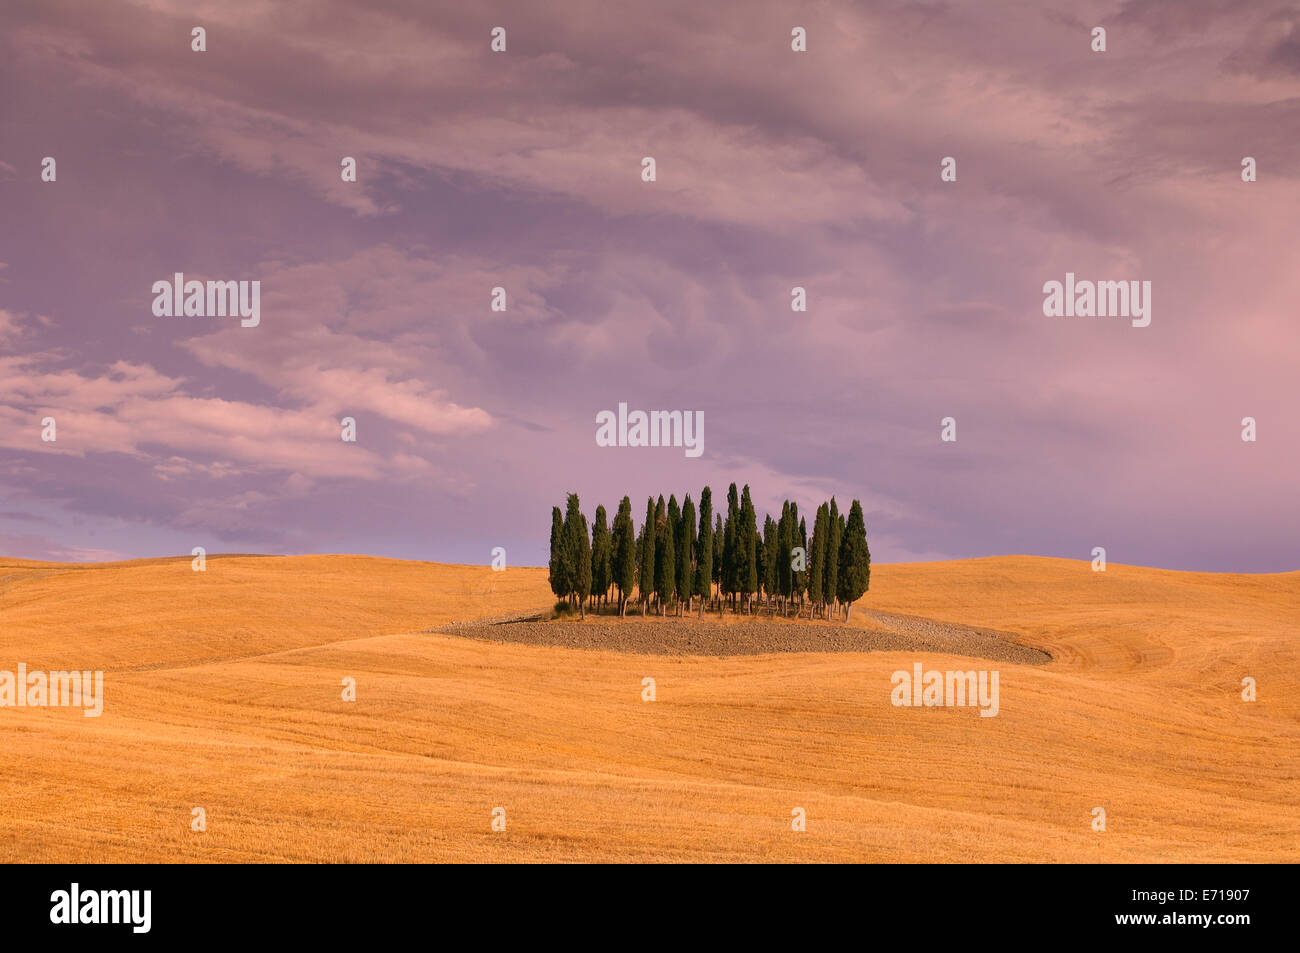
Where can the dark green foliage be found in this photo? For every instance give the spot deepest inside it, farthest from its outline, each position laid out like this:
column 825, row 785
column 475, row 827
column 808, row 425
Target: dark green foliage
column 577, row 548
column 855, row 559
column 665, row 559
column 817, row 555
column 601, row 555
column 647, row 581
column 830, row 584
column 797, row 576
column 670, row 561
column 558, row 573
column 704, row 546
column 686, row 555
column 730, row 583
column 717, row 559
column 801, row 584
column 785, row 543
column 623, row 570
column 747, row 548
column 771, row 558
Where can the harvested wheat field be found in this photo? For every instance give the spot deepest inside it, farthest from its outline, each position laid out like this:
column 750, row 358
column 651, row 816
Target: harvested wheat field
column 222, row 690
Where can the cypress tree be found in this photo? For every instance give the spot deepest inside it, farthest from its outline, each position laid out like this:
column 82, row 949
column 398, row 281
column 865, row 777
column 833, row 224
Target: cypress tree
column 817, row 558
column 796, row 580
column 558, row 578
column 675, row 531
column 647, row 580
column 802, row 579
column 784, row 567
column 717, row 561
column 577, row 546
column 686, row 556
column 840, row 570
column 583, row 587
column 665, row 561
column 600, row 556
column 623, row 571
column 855, row 560
column 640, row 551
column 830, row 588
column 747, row 549
column 771, row 558
column 730, row 583
column 704, row 561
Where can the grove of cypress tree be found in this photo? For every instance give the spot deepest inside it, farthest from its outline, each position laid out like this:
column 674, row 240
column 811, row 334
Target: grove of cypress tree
column 669, row 563
column 855, row 560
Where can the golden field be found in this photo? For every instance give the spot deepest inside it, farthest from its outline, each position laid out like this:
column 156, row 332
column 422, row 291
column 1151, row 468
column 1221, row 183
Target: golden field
column 222, row 690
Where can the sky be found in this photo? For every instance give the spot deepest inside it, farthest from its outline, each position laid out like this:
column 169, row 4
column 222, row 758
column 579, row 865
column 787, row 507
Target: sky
column 774, row 168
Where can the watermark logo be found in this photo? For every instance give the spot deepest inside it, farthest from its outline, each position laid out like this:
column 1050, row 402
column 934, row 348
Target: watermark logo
column 945, row 689
column 212, row 299
column 1098, row 299
column 25, row 689
column 658, row 428
column 133, row 907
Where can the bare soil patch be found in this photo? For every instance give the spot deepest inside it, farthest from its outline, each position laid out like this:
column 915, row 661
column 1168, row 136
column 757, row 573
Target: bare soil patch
column 752, row 636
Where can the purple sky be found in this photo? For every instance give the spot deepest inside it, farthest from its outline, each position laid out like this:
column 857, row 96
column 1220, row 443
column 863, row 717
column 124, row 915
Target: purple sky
column 775, row 169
